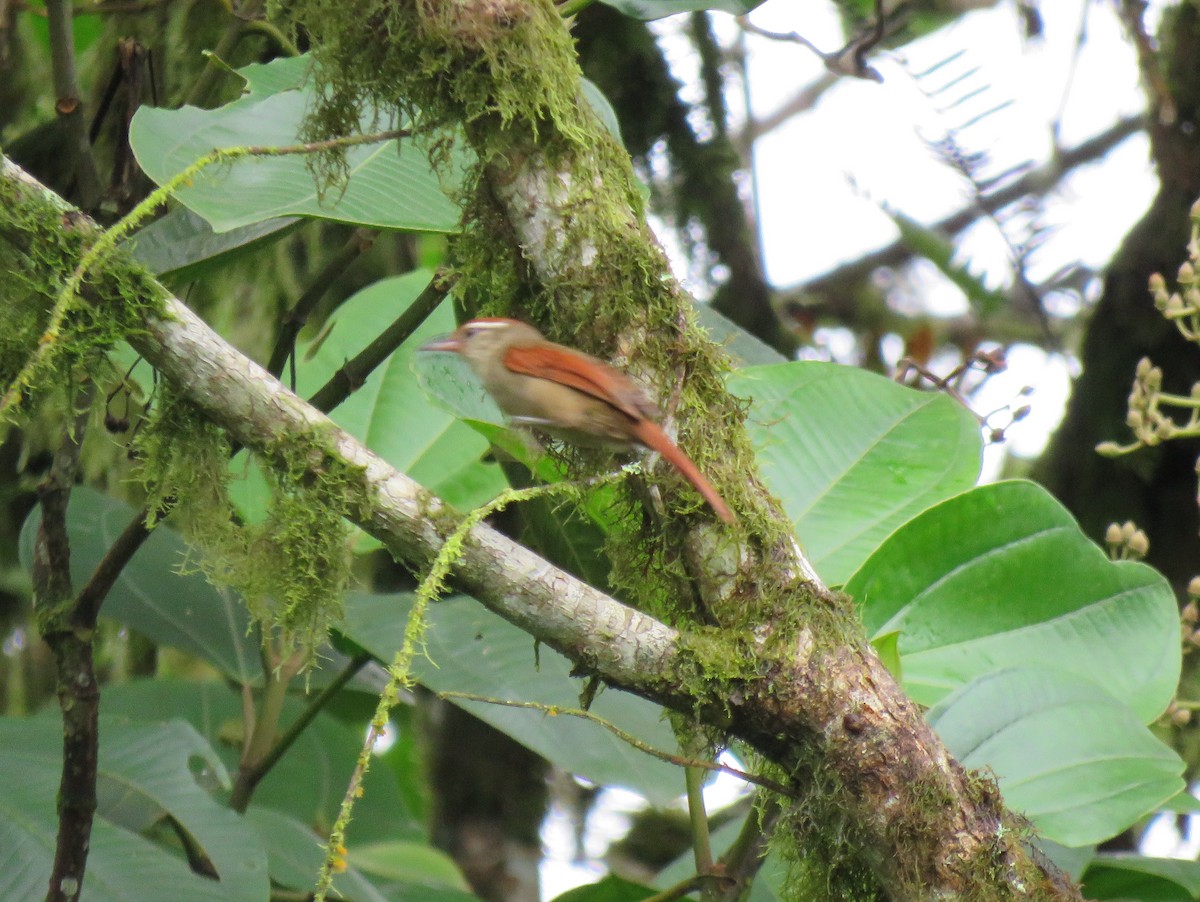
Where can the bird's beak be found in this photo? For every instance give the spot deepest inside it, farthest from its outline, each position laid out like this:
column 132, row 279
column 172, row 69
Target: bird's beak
column 445, row 343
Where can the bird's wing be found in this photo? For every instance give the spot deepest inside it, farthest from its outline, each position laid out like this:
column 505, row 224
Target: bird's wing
column 581, row 372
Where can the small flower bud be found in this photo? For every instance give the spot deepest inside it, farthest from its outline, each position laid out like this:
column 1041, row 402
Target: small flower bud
column 1139, row 545
column 1112, row 535
column 1143, row 367
column 1180, row 717
column 1187, row 274
column 1134, row 419
column 1157, row 282
column 1174, row 305
column 1195, row 214
column 1193, row 587
column 1190, row 613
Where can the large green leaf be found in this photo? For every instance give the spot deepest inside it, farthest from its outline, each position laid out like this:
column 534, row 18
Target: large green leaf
column 142, row 768
column 470, row 649
column 411, row 862
column 1070, row 757
column 389, row 413
column 296, row 856
column 853, row 455
column 1125, row 876
column 308, row 782
column 608, row 889
column 181, row 242
column 153, row 593
column 1001, row 576
column 391, row 184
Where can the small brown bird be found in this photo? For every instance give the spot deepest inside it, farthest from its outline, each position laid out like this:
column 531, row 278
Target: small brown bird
column 567, row 393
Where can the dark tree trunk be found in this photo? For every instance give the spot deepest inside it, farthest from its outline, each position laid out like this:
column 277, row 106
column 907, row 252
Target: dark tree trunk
column 1155, row 487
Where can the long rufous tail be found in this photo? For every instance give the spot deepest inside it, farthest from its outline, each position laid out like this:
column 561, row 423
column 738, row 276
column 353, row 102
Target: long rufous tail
column 651, row 435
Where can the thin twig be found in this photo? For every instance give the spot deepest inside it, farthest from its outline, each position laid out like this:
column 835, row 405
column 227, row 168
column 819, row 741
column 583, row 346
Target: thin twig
column 629, row 738
column 238, row 20
column 351, row 376
column 250, row 777
column 698, row 819
column 360, row 242
column 69, row 106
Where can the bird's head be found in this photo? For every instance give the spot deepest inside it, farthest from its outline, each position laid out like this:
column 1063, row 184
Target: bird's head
column 485, row 339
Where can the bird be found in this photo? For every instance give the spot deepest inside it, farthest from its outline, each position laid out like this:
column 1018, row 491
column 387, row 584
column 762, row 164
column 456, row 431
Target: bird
column 567, row 393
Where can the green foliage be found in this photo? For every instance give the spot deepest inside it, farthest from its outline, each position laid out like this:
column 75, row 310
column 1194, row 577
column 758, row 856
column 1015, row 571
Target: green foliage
column 143, row 780
column 610, row 889
column 308, row 782
column 1068, row 755
column 965, row 587
column 469, row 649
column 658, row 9
column 50, row 336
column 181, row 243
column 1001, row 576
column 852, row 456
column 252, row 191
column 1116, row 876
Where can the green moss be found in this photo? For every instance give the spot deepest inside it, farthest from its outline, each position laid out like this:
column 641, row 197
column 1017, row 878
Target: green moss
column 293, row 566
column 48, row 342
column 817, row 839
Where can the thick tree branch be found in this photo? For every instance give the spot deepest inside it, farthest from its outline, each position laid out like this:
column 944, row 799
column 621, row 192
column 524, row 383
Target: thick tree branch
column 829, row 715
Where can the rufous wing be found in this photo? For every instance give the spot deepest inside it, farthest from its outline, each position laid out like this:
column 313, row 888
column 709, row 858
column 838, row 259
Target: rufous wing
column 582, row 372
